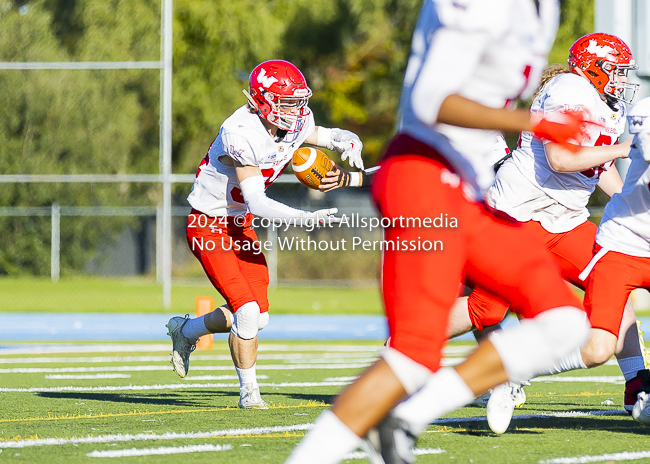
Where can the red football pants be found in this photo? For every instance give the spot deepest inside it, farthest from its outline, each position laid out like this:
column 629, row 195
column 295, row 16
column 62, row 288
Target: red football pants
column 572, row 251
column 230, row 259
column 420, row 287
column 609, row 285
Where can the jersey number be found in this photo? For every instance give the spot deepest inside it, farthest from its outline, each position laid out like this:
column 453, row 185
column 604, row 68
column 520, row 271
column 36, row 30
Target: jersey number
column 236, row 192
column 598, row 170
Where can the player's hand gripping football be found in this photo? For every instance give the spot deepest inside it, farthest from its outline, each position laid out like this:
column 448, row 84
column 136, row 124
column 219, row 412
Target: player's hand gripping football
column 565, row 128
column 349, row 145
column 336, row 178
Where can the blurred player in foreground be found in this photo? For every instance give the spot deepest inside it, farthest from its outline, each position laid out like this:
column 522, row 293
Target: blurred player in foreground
column 252, row 149
column 622, row 259
column 469, row 59
column 546, row 187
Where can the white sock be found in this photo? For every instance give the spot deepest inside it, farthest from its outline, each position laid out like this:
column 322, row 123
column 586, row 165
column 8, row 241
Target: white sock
column 195, row 328
column 570, row 362
column 444, row 391
column 328, row 442
column 247, row 376
column 630, row 366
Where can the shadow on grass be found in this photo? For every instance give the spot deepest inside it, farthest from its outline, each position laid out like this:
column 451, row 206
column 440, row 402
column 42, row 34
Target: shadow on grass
column 537, row 425
column 194, row 399
column 327, row 399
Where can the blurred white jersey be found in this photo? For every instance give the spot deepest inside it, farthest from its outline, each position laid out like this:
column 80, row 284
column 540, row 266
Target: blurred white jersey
column 243, row 138
column 527, row 188
column 625, row 226
column 489, row 51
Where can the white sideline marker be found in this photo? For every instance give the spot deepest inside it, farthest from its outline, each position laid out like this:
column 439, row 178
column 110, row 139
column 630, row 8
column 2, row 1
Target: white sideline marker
column 157, row 451
column 31, row 442
column 624, row 456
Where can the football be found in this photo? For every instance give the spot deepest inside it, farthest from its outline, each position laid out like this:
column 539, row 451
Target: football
column 310, row 166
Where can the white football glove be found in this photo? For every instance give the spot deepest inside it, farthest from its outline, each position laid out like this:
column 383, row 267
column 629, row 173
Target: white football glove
column 349, row 145
column 643, row 144
column 326, row 216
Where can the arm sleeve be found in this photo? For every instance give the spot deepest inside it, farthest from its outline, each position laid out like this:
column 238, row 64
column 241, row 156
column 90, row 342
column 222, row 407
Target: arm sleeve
column 262, row 206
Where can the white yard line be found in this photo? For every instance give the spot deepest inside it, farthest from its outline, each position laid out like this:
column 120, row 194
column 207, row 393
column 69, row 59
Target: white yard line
column 624, row 456
column 195, row 357
column 219, row 377
column 30, row 442
column 416, row 451
column 615, row 379
column 172, row 386
column 158, row 451
column 260, row 367
column 13, row 349
column 88, row 376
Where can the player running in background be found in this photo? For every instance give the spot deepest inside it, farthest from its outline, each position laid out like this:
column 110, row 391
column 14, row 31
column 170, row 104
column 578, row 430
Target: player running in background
column 252, row 149
column 469, row 58
column 546, row 188
column 622, row 259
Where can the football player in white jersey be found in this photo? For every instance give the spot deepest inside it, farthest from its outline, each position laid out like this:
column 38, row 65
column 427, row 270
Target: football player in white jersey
column 469, row 59
column 546, row 188
column 622, row 259
column 252, row 149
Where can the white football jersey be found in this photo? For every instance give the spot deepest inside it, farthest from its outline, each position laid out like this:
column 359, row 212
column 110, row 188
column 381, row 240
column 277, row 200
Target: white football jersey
column 243, row 138
column 528, row 188
column 489, row 51
column 625, row 226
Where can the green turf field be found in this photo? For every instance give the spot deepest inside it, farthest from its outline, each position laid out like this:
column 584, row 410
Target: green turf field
column 144, row 295
column 77, row 403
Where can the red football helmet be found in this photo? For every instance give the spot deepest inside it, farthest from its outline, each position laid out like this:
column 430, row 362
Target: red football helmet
column 279, row 93
column 603, row 59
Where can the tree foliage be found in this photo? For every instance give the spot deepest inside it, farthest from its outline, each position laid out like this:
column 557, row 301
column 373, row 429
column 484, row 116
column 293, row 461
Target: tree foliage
column 353, row 53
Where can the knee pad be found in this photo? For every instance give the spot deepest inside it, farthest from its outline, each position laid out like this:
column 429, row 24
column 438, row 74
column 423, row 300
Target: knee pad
column 536, row 344
column 411, row 374
column 246, row 321
column 263, row 321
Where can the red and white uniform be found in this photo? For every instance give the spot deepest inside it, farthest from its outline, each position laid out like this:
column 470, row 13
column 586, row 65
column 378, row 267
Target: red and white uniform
column 623, row 263
column 491, row 52
column 220, row 216
column 625, row 226
column 243, row 138
column 527, row 188
column 551, row 205
column 496, row 52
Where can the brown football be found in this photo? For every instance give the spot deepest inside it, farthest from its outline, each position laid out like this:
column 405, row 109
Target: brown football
column 310, row 166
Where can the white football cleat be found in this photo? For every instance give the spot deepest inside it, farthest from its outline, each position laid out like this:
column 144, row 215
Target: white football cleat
column 501, row 406
column 250, row 398
column 520, row 394
column 641, row 411
column 182, row 346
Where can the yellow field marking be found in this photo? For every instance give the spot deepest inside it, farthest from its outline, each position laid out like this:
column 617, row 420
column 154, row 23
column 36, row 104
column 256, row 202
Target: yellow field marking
column 310, row 404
